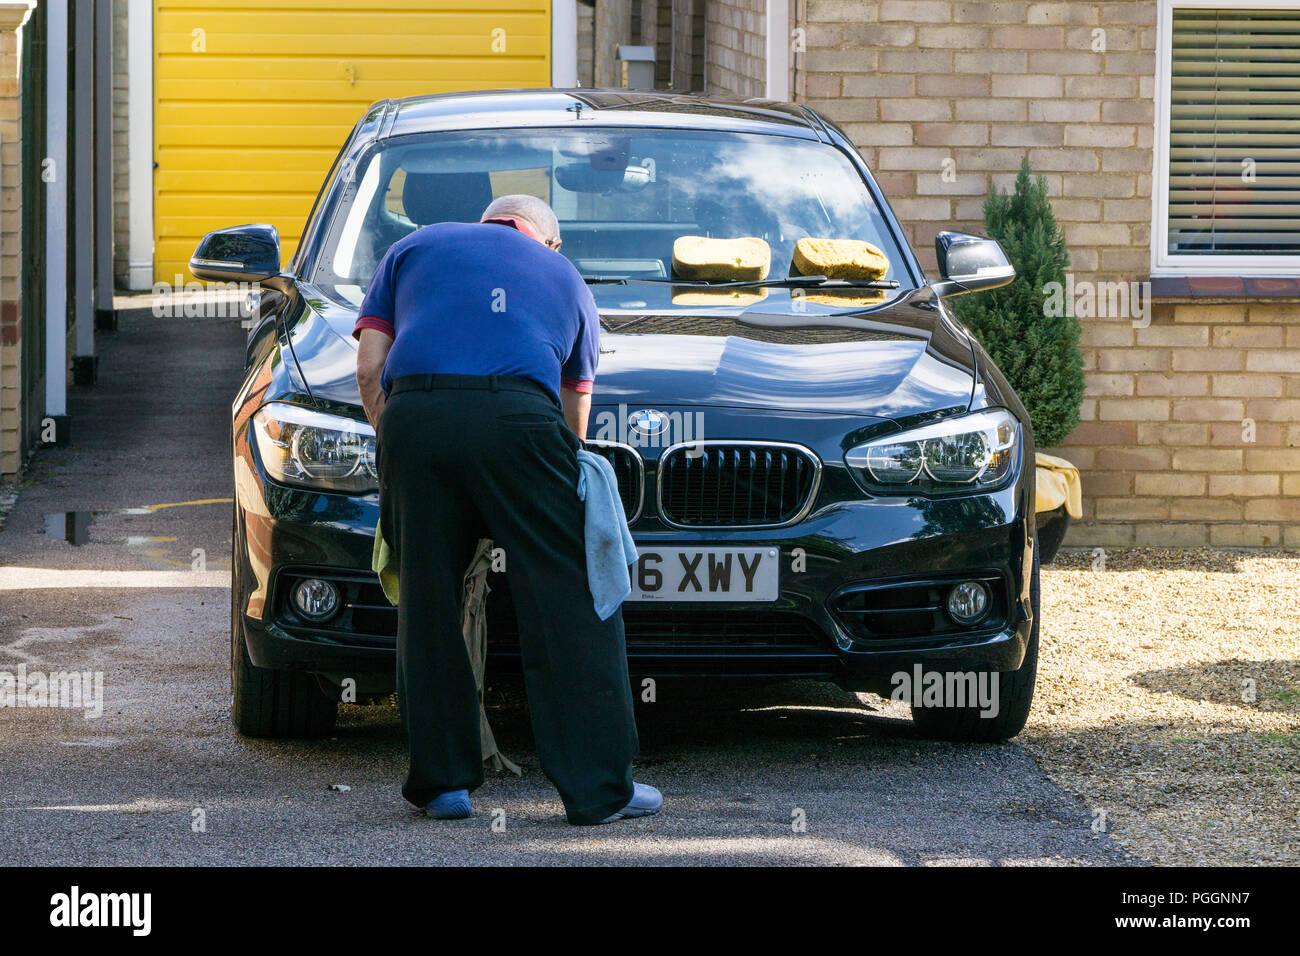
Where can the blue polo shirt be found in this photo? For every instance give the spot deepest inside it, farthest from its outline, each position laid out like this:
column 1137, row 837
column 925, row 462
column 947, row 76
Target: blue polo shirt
column 483, row 299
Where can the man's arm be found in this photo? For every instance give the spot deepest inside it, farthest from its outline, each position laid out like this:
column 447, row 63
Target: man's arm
column 577, row 408
column 578, row 373
column 372, row 352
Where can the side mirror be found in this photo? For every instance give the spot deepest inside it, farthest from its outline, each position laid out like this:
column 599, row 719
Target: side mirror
column 970, row 264
column 239, row 254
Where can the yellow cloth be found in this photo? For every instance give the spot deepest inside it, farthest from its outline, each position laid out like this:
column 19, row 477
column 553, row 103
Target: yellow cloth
column 384, row 563
column 1057, row 483
column 473, row 627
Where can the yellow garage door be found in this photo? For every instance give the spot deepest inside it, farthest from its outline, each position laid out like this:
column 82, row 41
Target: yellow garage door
column 253, row 100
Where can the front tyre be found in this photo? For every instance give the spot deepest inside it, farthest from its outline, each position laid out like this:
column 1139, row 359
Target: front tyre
column 265, row 702
column 1015, row 693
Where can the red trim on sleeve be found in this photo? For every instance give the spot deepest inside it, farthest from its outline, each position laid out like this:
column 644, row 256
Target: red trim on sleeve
column 373, row 322
column 583, row 385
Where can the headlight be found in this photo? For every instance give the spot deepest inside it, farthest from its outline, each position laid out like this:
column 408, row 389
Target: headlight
column 300, row 446
column 971, row 453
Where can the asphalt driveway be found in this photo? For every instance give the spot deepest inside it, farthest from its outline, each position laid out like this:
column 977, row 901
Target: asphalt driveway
column 780, row 773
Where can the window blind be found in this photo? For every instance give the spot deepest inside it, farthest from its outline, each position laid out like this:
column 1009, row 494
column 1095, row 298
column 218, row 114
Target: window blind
column 1234, row 132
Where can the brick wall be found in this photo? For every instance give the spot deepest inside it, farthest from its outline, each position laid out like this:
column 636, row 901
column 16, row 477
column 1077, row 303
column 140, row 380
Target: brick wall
column 586, row 44
column 645, row 22
column 1188, row 431
column 945, row 98
column 735, row 39
column 661, row 13
column 11, row 177
column 613, row 26
column 688, row 48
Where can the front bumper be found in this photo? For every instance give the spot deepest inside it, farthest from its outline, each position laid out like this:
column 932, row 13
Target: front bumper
column 842, row 546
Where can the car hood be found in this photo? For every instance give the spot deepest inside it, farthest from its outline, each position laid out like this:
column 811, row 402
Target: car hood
column 899, row 361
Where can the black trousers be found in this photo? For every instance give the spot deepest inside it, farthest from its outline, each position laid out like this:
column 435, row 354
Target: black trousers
column 461, row 457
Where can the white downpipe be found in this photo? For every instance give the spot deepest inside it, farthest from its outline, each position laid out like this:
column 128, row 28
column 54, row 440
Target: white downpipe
column 83, row 160
column 564, row 44
column 777, row 49
column 56, row 211
column 103, row 156
column 139, row 107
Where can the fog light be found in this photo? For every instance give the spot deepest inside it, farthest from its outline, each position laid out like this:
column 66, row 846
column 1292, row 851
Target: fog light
column 316, row 600
column 968, row 602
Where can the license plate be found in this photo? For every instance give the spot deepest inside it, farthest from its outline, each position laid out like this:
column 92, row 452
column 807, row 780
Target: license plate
column 705, row 574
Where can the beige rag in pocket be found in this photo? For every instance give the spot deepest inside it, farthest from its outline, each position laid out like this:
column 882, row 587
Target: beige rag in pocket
column 473, row 628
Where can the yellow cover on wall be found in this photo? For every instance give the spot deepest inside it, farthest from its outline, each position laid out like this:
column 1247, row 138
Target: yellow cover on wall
column 1057, row 483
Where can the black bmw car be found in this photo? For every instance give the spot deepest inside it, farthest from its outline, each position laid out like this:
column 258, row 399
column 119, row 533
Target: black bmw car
column 825, row 479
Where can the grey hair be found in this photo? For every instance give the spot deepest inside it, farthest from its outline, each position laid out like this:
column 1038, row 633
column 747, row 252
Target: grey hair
column 523, row 206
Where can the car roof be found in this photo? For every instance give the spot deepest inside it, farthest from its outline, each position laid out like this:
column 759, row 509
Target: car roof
column 495, row 109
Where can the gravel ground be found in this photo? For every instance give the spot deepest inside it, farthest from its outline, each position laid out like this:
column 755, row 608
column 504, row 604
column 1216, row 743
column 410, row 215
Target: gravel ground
column 1168, row 698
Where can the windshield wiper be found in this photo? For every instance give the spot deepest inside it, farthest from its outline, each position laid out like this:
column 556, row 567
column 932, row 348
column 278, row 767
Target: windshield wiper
column 807, row 282
column 789, row 282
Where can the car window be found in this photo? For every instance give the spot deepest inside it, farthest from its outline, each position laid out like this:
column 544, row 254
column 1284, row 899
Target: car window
column 622, row 196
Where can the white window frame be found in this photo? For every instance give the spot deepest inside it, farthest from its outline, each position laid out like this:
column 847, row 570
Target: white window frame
column 1164, row 263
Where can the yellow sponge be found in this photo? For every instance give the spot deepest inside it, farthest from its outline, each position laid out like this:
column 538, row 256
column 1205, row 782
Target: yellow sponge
column 699, row 257
column 839, row 259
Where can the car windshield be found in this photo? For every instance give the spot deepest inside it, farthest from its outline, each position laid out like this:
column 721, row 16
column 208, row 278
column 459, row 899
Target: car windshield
column 622, row 197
